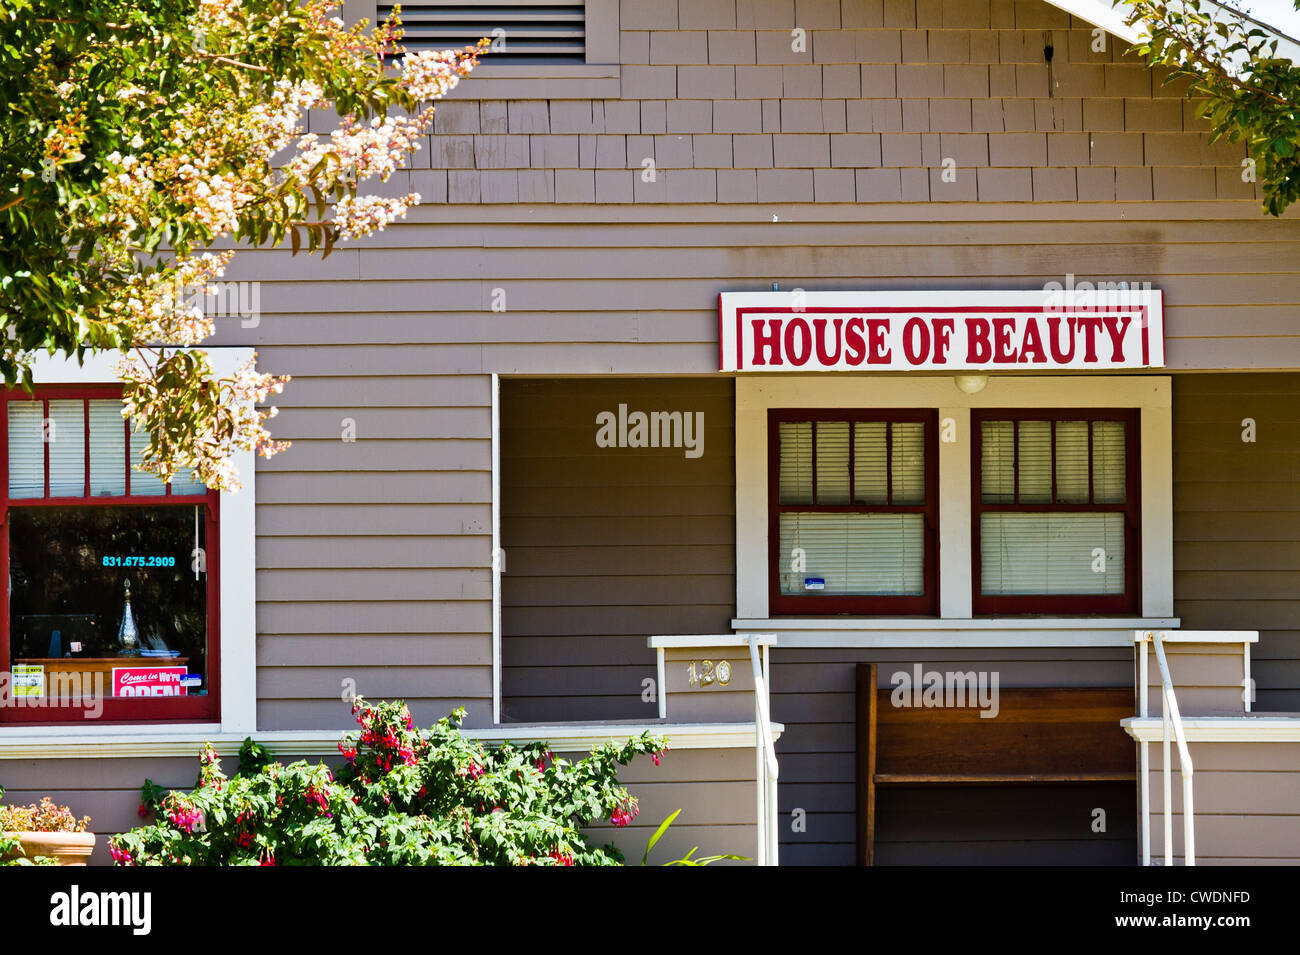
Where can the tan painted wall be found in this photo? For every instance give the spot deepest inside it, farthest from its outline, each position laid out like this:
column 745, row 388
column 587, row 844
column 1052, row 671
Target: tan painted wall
column 1237, row 519
column 1247, row 802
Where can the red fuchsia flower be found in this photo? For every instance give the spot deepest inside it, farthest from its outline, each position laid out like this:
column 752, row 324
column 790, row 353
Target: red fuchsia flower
column 424, row 791
column 120, row 856
column 142, row 811
column 624, row 813
column 244, row 840
column 186, row 818
column 475, row 770
column 268, row 859
column 563, row 858
column 320, row 798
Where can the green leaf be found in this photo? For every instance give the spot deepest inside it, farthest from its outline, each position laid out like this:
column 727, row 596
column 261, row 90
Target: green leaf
column 663, row 827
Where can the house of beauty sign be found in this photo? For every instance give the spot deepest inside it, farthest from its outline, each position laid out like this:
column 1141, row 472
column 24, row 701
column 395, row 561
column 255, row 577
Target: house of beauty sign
column 1074, row 327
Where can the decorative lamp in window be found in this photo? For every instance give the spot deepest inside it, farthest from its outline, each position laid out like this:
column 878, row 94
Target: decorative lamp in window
column 853, row 512
column 1055, row 519
column 111, row 602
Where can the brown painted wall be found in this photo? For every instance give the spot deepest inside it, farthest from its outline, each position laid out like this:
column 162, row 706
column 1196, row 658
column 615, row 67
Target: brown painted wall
column 1245, row 797
column 373, row 556
column 1237, row 520
column 607, row 546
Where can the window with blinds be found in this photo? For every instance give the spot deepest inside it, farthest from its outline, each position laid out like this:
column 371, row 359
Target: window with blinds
column 853, row 512
column 81, row 448
column 533, row 31
column 1055, row 518
column 112, row 574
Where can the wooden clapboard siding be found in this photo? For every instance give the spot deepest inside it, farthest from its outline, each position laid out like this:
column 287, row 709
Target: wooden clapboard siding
column 607, row 546
column 1237, row 519
column 1247, row 801
column 374, row 555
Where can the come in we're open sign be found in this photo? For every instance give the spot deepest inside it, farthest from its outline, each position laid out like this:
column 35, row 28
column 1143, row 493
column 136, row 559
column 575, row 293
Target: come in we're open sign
column 1055, row 329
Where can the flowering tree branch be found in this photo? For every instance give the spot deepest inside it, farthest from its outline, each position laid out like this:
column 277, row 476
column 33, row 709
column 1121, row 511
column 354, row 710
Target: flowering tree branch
column 139, row 133
column 1249, row 94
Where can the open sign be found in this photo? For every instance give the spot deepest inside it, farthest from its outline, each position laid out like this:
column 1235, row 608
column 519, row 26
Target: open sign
column 149, row 681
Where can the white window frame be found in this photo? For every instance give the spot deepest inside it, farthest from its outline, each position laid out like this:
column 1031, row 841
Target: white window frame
column 238, row 583
column 954, row 626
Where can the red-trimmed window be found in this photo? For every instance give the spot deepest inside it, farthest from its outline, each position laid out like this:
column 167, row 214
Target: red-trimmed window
column 1055, row 511
column 110, row 613
column 853, row 512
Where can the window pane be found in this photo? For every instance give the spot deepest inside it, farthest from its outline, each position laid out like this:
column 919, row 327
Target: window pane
column 859, row 554
column 67, row 432
column 26, row 449
column 796, row 462
column 1035, row 466
column 107, row 449
column 184, row 482
column 1024, row 553
column 909, row 462
column 832, row 462
column 69, row 570
column 870, row 477
column 1108, row 465
column 142, row 483
column 1072, row 462
column 997, row 463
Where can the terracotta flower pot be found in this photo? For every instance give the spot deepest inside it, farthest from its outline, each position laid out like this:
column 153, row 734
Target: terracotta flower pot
column 67, row 848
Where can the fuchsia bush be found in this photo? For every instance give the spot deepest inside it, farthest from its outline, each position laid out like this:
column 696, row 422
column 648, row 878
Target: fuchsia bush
column 402, row 798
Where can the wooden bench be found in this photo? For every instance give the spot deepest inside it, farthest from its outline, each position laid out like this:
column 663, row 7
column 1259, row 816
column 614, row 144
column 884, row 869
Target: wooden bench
column 1040, row 736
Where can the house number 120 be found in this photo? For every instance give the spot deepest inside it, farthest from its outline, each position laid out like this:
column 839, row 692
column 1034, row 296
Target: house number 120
column 706, row 672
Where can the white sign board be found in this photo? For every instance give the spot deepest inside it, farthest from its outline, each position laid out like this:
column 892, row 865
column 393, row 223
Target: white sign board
column 1075, row 328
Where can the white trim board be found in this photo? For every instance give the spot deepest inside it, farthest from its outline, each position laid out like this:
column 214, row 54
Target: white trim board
column 756, row 394
column 238, row 555
column 968, row 633
column 1219, row 729
column 186, row 741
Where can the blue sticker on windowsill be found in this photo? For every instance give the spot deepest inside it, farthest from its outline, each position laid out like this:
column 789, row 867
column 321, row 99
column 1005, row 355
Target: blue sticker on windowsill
column 814, row 583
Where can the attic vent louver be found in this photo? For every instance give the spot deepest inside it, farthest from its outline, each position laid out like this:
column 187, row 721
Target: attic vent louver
column 536, row 32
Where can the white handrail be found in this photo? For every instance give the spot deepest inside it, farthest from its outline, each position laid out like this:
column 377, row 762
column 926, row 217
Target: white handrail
column 768, row 770
column 1170, row 718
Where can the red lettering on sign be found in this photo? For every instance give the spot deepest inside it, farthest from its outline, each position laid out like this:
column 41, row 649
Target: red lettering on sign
column 1116, row 332
column 878, row 351
column 916, row 333
column 1054, row 340
column 855, row 344
column 797, row 353
column 978, row 347
column 1002, row 353
column 1032, row 342
column 769, row 341
column 819, row 327
column 942, row 333
column 1089, row 327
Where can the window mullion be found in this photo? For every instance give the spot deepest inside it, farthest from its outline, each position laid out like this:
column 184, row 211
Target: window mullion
column 126, row 432
column 1015, row 461
column 813, row 477
column 853, row 492
column 1052, row 456
column 889, row 463
column 45, row 441
column 85, row 416
column 1091, row 492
